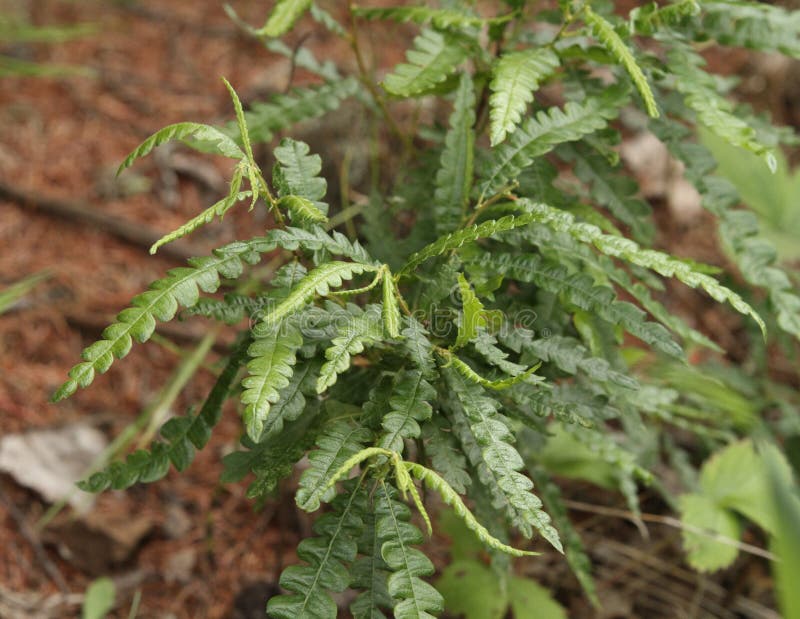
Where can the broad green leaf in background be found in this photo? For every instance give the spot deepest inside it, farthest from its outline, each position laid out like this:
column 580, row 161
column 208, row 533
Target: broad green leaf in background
column 775, row 198
column 705, row 553
column 99, row 598
column 529, row 600
column 471, row 589
column 735, row 480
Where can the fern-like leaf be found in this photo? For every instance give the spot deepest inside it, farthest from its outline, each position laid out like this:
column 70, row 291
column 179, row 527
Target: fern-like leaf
column 608, row 37
column 218, row 209
column 338, row 442
column 439, row 18
column 272, row 354
column 283, row 17
column 454, row 178
column 754, row 25
column 302, row 209
column 620, row 247
column 500, row 460
column 317, row 282
column 369, row 573
column 417, row 346
column 450, row 497
column 220, row 142
column 456, row 239
column 435, row 55
column 613, row 191
column 515, row 77
column 541, row 133
column 316, row 238
column 713, row 110
column 498, row 385
column 183, row 435
column 446, row 456
column 361, row 330
column 472, row 317
column 297, row 174
column 160, row 302
column 408, row 406
column 569, row 355
column 580, row 290
column 390, row 308
column 415, row 598
column 327, row 556
column 265, row 118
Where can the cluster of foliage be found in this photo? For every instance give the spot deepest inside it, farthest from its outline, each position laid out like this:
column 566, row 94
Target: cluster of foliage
column 494, row 348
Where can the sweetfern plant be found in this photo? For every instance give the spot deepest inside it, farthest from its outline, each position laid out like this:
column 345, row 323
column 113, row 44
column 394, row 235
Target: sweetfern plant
column 492, row 293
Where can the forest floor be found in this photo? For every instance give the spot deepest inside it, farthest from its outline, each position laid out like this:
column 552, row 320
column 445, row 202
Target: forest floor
column 189, row 546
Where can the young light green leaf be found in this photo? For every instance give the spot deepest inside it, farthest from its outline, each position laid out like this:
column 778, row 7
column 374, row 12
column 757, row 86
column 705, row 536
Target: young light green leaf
column 273, row 353
column 515, row 77
column 615, row 46
column 218, row 209
column 221, row 143
column 302, row 209
column 391, row 309
column 317, row 282
column 435, row 55
column 472, row 314
column 283, row 17
column 451, row 498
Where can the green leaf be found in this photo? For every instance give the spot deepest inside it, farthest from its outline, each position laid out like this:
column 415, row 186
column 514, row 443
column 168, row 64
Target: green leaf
column 222, row 143
column 414, row 598
column 579, row 290
column 754, row 256
column 605, row 33
column 472, row 317
column 369, row 572
column 440, row 18
column 530, row 600
column 500, row 462
column 471, row 589
column 297, row 174
column 620, row 247
column 435, row 55
column 616, row 192
column 713, row 111
column 445, row 454
column 302, row 209
column 326, row 557
column 283, row 17
column 515, row 77
column 353, row 336
column 408, row 406
column 450, row 497
column 183, row 435
column 218, row 209
column 707, row 522
column 160, row 302
column 390, row 308
column 541, row 133
column 280, row 111
column 272, row 355
column 455, row 175
column 99, row 598
column 754, row 25
column 317, row 282
column 456, row 239
column 339, row 441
